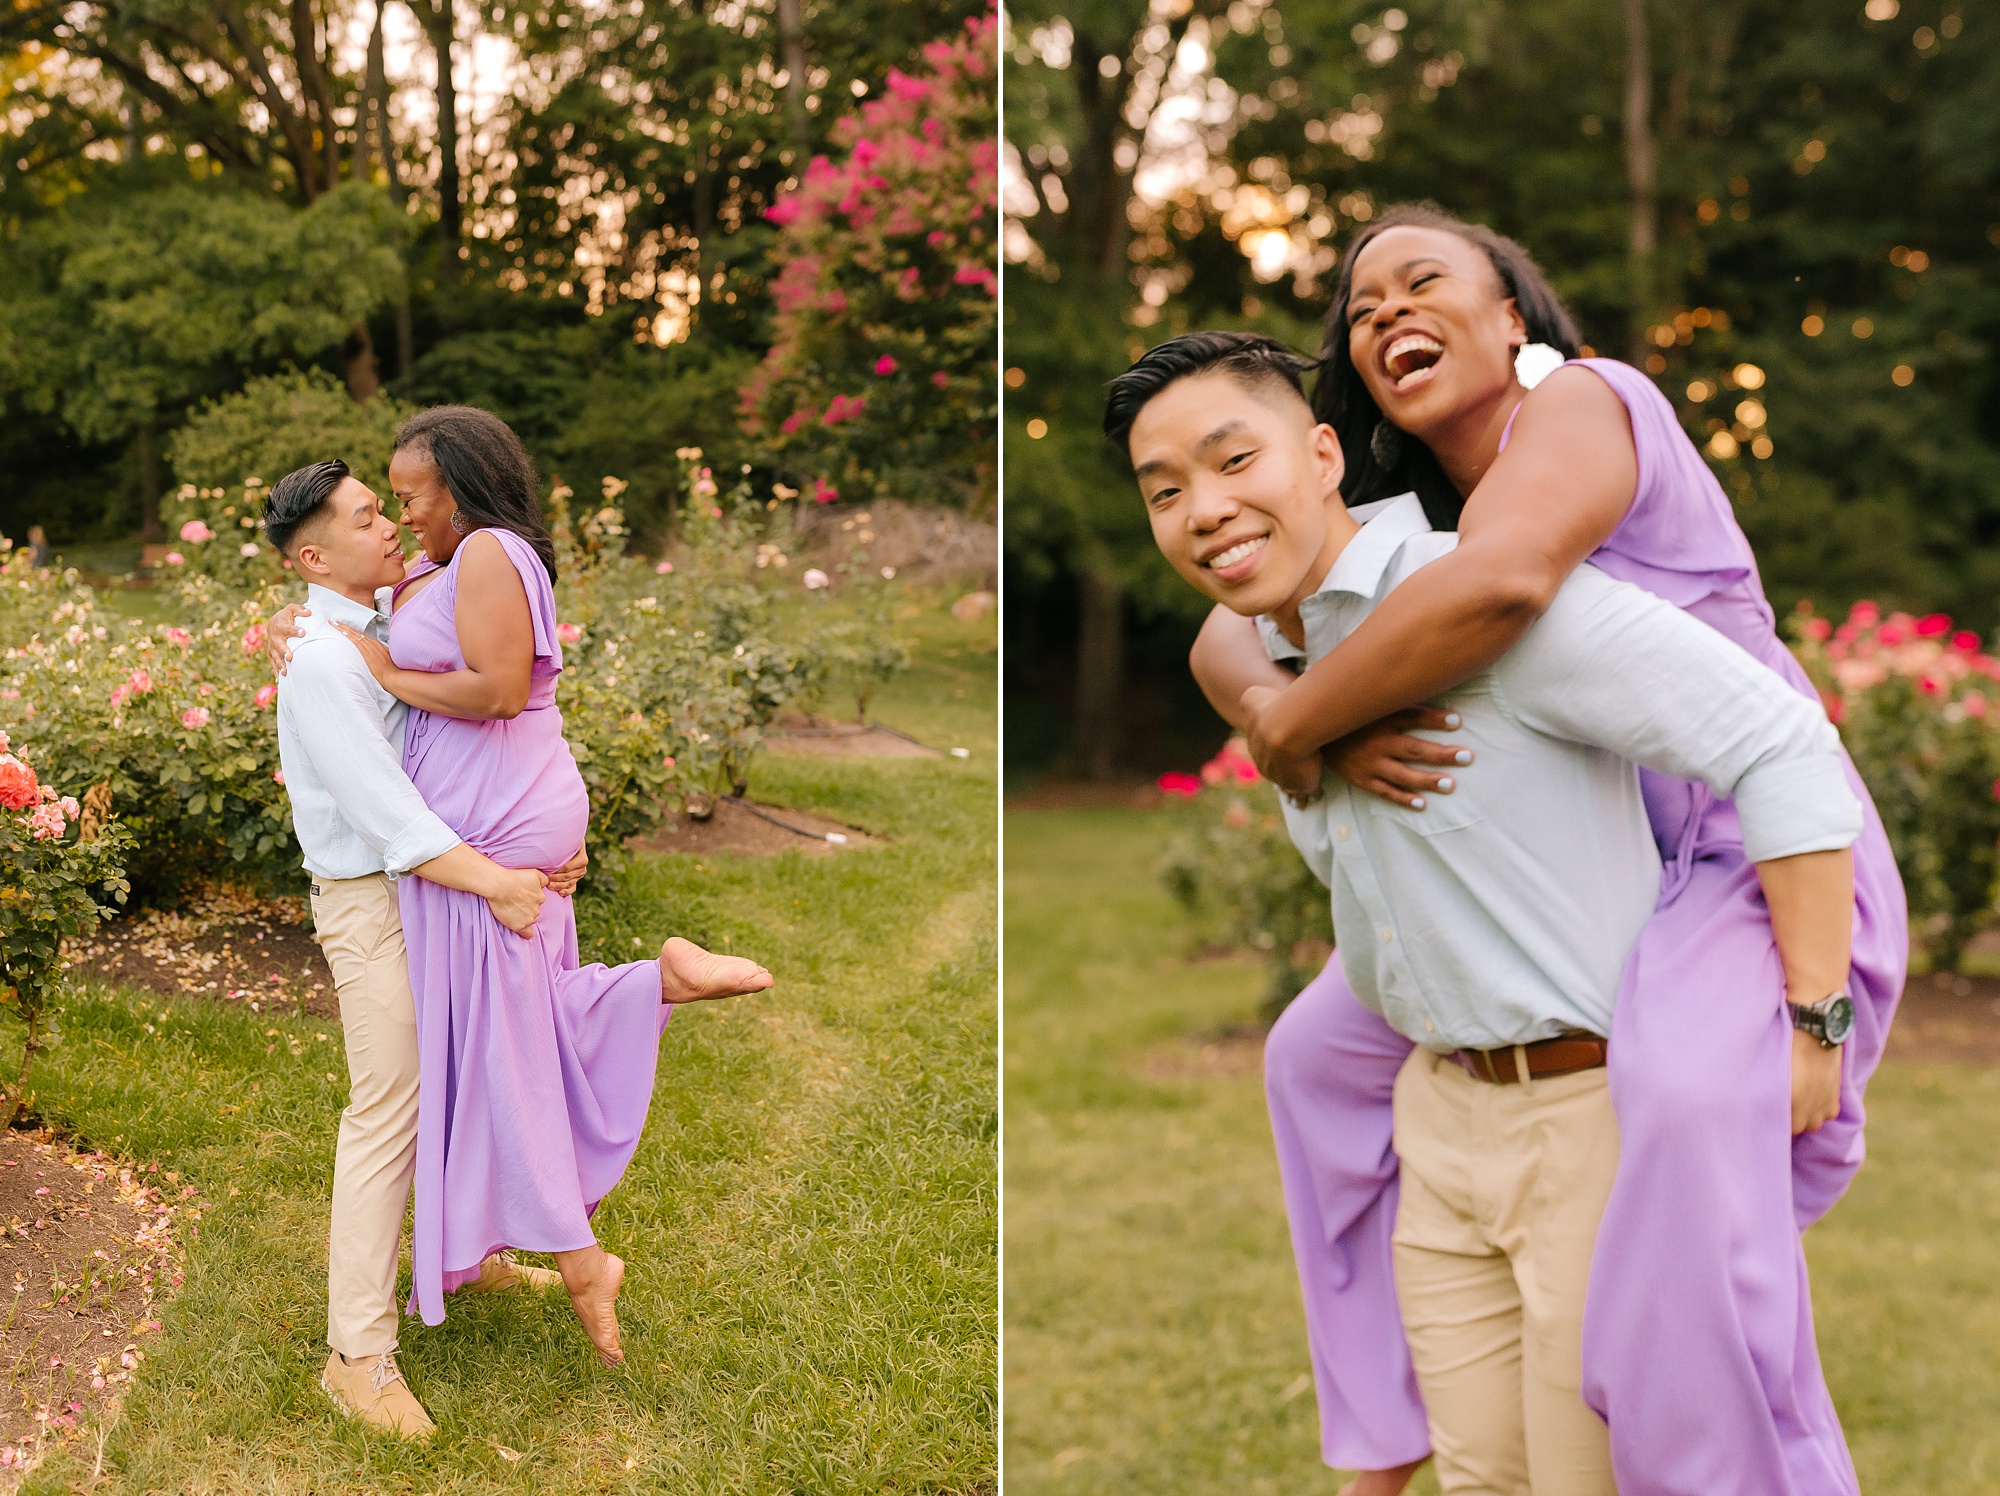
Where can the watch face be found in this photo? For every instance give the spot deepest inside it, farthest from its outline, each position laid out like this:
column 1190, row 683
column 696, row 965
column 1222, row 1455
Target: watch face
column 1839, row 1018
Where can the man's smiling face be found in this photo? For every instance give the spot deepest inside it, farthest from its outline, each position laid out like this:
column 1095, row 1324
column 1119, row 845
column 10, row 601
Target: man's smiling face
column 1237, row 478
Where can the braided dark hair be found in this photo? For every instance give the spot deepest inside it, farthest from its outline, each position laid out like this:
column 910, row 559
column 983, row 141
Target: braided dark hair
column 1397, row 462
column 485, row 469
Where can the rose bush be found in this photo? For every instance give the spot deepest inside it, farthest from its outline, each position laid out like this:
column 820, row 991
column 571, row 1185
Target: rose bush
column 61, row 859
column 1917, row 702
column 673, row 671
column 1237, row 876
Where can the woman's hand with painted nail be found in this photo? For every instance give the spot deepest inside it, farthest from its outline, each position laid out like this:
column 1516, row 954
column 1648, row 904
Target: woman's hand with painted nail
column 1384, row 760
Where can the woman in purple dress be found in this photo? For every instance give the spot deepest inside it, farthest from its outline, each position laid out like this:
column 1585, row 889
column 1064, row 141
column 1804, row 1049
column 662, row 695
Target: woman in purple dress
column 536, row 1073
column 1698, row 1342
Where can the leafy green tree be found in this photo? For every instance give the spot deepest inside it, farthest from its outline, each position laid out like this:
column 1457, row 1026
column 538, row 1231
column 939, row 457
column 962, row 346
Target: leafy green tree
column 284, row 421
column 118, row 313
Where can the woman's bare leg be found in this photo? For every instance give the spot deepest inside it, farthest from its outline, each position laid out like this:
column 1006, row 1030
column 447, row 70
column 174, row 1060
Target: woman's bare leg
column 689, row 974
column 593, row 1277
column 1383, row 1482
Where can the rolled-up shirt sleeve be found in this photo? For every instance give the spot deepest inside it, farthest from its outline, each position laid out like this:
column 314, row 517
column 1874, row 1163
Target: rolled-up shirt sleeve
column 340, row 730
column 1611, row 665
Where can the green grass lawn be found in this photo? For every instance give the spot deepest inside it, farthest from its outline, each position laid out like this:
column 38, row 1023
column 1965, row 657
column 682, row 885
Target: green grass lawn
column 1155, row 1340
column 809, row 1225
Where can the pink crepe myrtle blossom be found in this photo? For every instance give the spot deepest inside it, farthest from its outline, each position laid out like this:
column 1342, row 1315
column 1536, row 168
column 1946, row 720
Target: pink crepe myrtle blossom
column 265, row 696
column 843, row 408
column 824, row 492
column 1182, row 786
column 885, row 366
column 195, row 532
column 194, row 717
column 1930, row 626
column 941, row 380
column 792, row 422
column 1966, row 641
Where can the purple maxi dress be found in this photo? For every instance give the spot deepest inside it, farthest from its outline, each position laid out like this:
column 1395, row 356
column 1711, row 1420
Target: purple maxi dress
column 1698, row 1344
column 536, row 1074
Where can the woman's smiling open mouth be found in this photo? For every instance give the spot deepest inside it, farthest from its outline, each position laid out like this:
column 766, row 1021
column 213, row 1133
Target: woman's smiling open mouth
column 1410, row 358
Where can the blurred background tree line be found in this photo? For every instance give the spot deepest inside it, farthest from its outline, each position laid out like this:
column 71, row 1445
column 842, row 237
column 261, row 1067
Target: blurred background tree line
column 1789, row 215
column 237, row 228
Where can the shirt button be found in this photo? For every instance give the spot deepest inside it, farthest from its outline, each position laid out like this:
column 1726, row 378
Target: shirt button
column 1388, row 934
column 1341, row 832
column 1429, row 1027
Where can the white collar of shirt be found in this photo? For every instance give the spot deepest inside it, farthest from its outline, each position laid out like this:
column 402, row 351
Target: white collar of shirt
column 1385, row 525
column 330, row 607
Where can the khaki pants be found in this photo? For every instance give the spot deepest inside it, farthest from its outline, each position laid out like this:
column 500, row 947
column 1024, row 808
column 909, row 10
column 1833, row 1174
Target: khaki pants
column 361, row 931
column 1502, row 1190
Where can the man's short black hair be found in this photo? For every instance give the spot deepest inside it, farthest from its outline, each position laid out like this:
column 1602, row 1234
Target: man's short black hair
column 297, row 497
column 1250, row 356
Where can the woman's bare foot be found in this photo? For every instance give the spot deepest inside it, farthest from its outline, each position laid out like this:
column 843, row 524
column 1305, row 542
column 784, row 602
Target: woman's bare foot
column 1383, row 1482
column 593, row 1277
column 689, row 974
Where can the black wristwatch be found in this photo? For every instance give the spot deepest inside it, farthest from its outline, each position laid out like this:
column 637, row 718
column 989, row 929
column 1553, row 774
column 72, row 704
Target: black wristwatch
column 1830, row 1020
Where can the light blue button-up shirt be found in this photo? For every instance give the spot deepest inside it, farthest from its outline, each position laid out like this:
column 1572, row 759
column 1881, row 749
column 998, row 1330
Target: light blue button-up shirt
column 1503, row 912
column 340, row 740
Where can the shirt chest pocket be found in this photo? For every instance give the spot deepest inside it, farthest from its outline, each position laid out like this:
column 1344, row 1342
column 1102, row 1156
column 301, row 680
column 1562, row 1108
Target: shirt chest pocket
column 1441, row 813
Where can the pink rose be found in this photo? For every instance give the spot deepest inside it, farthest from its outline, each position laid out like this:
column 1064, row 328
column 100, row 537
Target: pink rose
column 253, row 639
column 569, row 633
column 179, row 636
column 193, row 717
column 885, row 365
column 278, row 778
column 814, row 579
column 1864, row 613
column 194, row 530
column 174, row 558
column 1185, row 786
column 139, row 682
column 664, row 568
column 47, row 822
column 1817, row 628
column 1966, row 640
column 941, row 379
column 265, row 696
column 1931, row 626
column 824, row 492
column 248, row 548
column 1974, row 703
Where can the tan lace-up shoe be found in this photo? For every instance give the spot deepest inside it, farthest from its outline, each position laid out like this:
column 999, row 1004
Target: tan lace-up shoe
column 502, row 1271
column 373, row 1390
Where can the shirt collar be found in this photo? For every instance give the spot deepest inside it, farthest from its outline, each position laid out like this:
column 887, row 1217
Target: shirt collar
column 1385, row 525
column 324, row 602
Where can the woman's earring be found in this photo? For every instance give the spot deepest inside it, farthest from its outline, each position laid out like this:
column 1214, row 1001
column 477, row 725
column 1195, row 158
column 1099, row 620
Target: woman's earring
column 460, row 523
column 1386, row 445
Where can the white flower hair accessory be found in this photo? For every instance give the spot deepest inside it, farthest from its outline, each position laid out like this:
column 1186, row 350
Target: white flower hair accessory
column 1536, row 362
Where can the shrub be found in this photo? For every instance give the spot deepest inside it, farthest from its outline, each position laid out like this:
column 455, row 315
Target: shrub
column 880, row 377
column 1238, row 878
column 284, row 421
column 61, row 858
column 673, row 672
column 1918, row 705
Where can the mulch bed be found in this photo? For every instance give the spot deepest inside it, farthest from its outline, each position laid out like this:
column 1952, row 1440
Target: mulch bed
column 223, row 943
column 803, row 733
column 737, row 829
column 87, row 1245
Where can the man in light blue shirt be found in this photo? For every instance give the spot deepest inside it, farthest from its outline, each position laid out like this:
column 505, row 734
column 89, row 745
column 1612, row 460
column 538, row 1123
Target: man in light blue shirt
column 1491, row 925
column 361, row 825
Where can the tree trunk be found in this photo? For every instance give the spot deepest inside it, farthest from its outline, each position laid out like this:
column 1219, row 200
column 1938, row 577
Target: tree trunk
column 1641, row 172
column 148, row 445
column 406, row 351
column 791, row 26
column 442, row 20
column 363, row 379
column 316, row 100
column 1100, row 668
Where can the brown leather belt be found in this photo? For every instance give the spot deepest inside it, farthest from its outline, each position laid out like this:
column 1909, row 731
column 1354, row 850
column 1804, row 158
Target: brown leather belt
column 1563, row 1055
